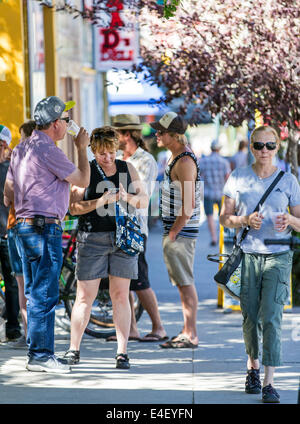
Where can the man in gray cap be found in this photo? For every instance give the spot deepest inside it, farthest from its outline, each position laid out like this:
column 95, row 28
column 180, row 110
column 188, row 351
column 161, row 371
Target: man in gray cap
column 214, row 169
column 180, row 210
column 133, row 149
column 38, row 181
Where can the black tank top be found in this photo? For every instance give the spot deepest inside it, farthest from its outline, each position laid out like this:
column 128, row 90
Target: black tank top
column 102, row 219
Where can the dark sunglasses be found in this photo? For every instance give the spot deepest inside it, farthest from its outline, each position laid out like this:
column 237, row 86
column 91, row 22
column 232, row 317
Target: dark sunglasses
column 159, row 132
column 259, row 145
column 66, row 118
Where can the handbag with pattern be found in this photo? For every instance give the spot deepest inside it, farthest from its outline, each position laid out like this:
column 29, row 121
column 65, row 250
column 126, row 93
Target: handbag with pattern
column 128, row 232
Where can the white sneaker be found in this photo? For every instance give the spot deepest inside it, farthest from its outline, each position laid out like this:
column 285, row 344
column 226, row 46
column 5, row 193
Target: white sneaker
column 52, row 365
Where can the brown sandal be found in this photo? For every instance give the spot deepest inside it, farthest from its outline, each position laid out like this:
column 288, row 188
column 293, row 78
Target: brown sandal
column 182, row 343
column 152, row 337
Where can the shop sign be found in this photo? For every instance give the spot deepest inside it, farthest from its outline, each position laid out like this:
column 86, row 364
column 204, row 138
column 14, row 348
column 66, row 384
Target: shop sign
column 116, row 45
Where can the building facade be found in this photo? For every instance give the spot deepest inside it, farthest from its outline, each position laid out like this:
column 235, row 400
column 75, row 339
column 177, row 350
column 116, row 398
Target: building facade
column 45, row 53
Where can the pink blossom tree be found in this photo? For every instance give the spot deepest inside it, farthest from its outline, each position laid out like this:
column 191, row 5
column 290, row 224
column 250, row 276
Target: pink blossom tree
column 231, row 57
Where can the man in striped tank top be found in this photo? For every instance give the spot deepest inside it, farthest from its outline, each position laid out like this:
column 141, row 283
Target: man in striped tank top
column 180, row 211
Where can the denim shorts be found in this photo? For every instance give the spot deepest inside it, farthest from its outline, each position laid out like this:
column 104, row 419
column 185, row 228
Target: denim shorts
column 14, row 249
column 99, row 257
column 209, row 205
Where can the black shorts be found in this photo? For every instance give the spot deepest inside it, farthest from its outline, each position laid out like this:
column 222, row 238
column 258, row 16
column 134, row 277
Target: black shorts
column 142, row 282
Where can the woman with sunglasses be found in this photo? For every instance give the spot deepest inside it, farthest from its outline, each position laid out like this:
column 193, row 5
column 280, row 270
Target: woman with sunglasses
column 265, row 273
column 98, row 257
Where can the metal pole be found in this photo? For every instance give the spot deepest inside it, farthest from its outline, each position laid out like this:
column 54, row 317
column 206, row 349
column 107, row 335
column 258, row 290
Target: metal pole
column 50, row 50
column 106, row 119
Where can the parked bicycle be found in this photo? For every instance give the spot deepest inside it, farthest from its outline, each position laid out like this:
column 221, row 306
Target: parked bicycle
column 293, row 242
column 101, row 323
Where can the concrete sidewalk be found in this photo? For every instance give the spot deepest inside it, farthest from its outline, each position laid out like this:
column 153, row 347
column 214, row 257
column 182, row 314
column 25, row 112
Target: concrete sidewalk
column 212, row 374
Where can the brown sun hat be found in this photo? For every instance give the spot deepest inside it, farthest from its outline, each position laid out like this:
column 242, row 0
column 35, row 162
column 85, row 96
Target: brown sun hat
column 126, row 122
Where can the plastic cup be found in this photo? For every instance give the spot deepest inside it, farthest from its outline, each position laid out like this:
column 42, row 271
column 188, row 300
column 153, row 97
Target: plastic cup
column 73, row 128
column 274, row 216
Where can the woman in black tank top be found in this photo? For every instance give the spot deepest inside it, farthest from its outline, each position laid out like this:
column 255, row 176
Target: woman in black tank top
column 98, row 257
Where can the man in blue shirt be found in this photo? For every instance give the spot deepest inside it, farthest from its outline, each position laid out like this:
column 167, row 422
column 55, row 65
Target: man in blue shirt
column 214, row 171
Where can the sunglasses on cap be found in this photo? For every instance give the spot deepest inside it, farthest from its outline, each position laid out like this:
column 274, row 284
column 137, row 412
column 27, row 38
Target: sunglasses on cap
column 259, row 145
column 104, row 134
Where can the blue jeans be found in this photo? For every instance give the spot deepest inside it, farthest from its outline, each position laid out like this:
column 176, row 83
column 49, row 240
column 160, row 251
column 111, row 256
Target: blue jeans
column 14, row 254
column 42, row 261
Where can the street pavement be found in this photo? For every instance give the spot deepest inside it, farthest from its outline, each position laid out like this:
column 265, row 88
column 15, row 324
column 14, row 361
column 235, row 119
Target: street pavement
column 212, row 374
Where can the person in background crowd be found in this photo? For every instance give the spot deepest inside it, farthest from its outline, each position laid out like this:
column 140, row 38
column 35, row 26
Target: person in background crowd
column 133, row 150
column 214, row 170
column 180, row 210
column 13, row 330
column 240, row 159
column 98, row 256
column 38, row 183
column 265, row 272
column 288, row 159
column 14, row 248
column 26, row 129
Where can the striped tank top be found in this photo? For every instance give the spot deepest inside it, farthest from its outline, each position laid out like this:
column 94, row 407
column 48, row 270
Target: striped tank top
column 171, row 201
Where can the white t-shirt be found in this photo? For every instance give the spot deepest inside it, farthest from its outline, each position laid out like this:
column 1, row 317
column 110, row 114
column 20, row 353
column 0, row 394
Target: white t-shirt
column 146, row 167
column 246, row 188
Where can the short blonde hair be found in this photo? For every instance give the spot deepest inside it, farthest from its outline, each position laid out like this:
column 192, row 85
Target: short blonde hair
column 104, row 138
column 263, row 128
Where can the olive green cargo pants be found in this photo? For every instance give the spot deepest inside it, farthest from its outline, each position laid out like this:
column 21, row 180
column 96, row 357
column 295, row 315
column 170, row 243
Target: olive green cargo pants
column 265, row 285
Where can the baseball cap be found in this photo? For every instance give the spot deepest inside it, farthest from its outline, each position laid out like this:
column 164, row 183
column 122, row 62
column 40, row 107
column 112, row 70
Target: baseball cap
column 5, row 134
column 127, row 122
column 50, row 109
column 172, row 122
column 215, row 145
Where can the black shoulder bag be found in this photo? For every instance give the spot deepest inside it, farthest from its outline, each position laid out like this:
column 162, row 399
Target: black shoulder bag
column 223, row 276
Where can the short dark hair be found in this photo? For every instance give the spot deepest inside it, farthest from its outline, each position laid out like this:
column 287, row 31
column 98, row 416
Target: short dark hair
column 28, row 127
column 44, row 127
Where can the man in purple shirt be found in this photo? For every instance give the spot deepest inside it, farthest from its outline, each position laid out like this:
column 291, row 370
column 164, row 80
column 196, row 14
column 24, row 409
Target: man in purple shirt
column 38, row 182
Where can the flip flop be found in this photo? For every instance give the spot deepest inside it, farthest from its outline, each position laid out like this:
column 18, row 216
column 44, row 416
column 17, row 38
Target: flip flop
column 182, row 343
column 114, row 339
column 152, row 337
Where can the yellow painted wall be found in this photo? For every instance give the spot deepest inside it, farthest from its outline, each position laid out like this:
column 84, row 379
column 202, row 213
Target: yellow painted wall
column 12, row 87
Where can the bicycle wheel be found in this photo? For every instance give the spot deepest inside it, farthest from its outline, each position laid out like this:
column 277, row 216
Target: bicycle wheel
column 101, row 320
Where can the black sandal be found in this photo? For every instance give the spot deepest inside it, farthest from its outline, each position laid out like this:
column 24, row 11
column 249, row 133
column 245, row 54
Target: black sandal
column 122, row 361
column 72, row 357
